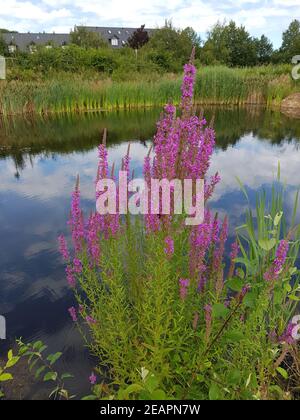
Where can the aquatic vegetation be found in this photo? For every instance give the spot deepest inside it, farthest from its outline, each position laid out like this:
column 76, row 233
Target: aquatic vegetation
column 221, row 85
column 156, row 296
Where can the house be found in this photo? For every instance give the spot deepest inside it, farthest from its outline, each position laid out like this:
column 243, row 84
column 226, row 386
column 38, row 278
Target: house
column 30, row 41
column 116, row 37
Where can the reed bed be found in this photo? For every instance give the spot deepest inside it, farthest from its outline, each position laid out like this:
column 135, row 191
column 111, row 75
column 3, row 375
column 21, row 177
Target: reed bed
column 215, row 85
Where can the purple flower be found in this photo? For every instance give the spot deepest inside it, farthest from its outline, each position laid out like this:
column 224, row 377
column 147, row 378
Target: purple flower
column 244, row 291
column 187, row 88
column 70, row 276
column 76, row 221
column 183, row 285
column 90, row 320
column 287, row 336
column 277, row 266
column 73, row 313
column 63, row 248
column 77, row 266
column 93, row 379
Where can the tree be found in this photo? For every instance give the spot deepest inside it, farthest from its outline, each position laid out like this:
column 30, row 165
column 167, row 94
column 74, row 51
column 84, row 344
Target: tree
column 264, row 50
column 191, row 36
column 215, row 49
column 86, row 39
column 139, row 38
column 171, row 47
column 291, row 41
column 231, row 45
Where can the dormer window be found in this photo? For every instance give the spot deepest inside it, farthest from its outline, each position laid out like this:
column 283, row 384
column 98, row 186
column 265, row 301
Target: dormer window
column 12, row 49
column 114, row 42
column 32, row 48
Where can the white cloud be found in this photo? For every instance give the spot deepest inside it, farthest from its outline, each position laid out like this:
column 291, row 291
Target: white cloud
column 269, row 16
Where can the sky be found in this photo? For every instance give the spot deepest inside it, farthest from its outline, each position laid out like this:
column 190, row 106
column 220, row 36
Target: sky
column 270, row 17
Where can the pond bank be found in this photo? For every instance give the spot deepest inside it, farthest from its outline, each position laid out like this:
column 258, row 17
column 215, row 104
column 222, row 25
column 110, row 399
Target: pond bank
column 214, row 86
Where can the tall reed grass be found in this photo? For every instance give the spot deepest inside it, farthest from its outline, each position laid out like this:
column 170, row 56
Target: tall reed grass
column 215, row 85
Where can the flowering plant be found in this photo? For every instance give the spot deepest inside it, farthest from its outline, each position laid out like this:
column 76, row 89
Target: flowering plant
column 155, row 293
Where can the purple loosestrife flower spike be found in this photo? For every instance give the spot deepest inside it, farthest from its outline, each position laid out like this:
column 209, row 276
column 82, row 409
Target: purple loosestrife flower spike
column 70, row 276
column 63, row 248
column 169, row 249
column 277, row 266
column 77, row 266
column 233, row 255
column 183, row 285
column 73, row 313
column 76, row 221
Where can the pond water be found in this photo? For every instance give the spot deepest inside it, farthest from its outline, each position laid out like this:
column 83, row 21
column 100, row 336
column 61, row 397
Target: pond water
column 39, row 162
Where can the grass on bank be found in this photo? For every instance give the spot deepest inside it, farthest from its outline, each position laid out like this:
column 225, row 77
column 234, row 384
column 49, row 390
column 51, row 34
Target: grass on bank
column 66, row 92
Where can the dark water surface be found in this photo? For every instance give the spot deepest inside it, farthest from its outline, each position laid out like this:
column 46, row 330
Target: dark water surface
column 39, row 161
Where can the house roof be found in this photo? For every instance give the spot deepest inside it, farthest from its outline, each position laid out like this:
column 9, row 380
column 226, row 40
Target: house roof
column 115, row 32
column 23, row 40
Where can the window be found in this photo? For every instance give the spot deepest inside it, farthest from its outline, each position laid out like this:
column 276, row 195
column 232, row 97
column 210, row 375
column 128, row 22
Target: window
column 12, row 49
column 109, row 31
column 32, row 48
column 114, row 42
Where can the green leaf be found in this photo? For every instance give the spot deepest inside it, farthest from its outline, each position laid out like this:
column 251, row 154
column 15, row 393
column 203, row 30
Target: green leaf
column 234, row 336
column 39, row 371
column 267, row 244
column 151, row 383
column 158, row 394
column 250, row 299
column 89, row 398
column 294, row 297
column 293, row 270
column 37, row 345
column 50, row 376
column 287, row 287
column 215, row 392
column 5, row 377
column 278, row 218
column 283, row 372
column 12, row 362
column 10, row 355
column 236, row 284
column 219, row 310
column 131, row 389
column 52, row 358
column 234, row 377
column 66, row 376
column 240, row 273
